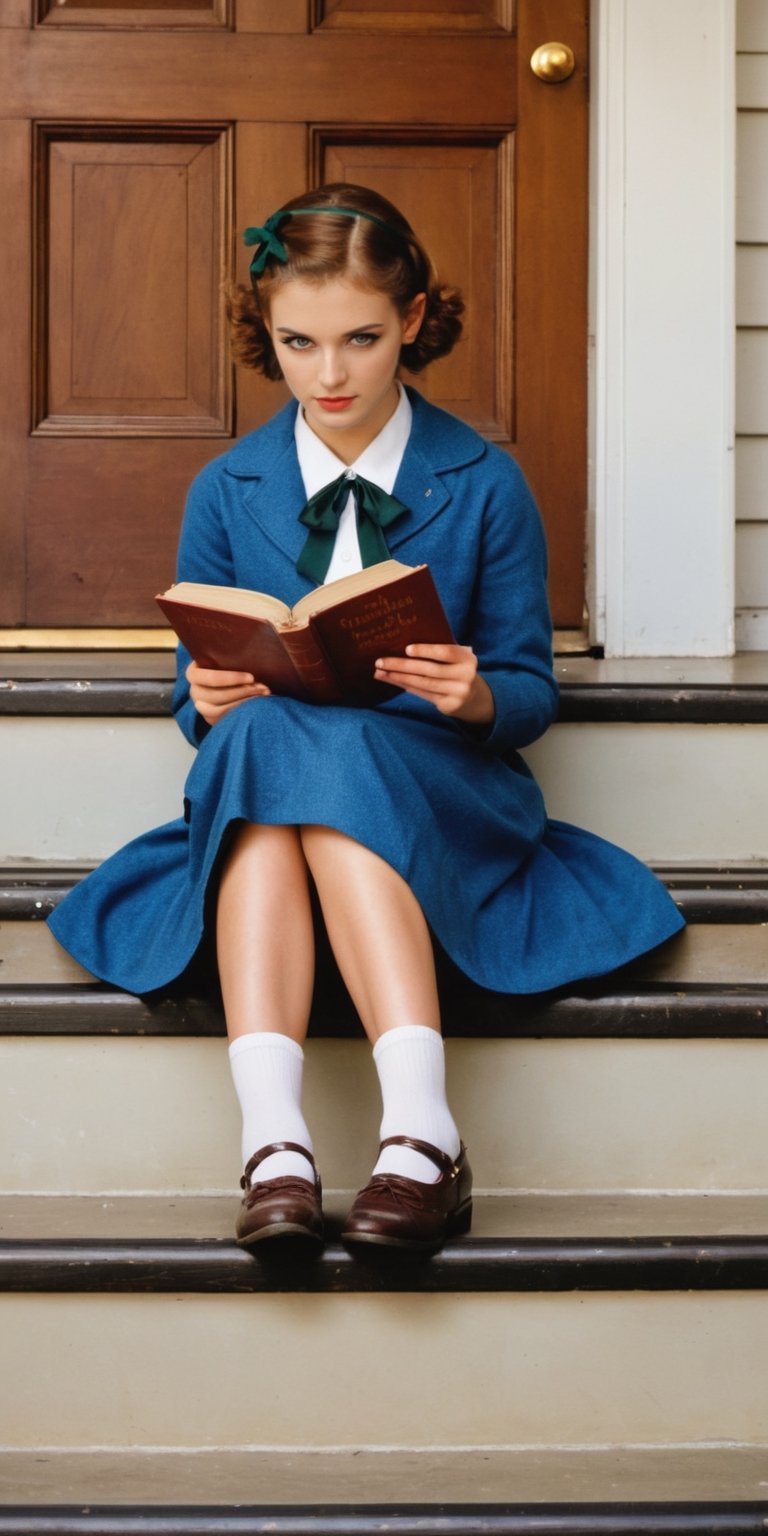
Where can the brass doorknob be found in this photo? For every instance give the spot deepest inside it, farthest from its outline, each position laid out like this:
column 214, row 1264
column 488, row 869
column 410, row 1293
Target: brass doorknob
column 553, row 62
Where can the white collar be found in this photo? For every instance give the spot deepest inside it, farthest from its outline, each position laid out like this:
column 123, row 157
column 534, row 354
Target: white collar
column 379, row 462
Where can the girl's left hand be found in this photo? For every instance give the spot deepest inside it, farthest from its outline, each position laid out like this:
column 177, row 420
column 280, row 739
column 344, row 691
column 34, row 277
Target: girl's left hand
column 445, row 675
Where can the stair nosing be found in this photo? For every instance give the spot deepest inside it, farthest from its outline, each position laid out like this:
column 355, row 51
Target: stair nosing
column 653, row 1011
column 651, row 1518
column 477, row 1265
column 713, row 703
column 705, row 893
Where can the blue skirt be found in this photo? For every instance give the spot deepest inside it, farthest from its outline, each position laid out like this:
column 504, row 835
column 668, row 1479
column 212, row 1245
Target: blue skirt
column 521, row 903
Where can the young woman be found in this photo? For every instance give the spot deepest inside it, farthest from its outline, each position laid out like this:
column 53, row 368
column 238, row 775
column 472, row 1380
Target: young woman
column 412, row 818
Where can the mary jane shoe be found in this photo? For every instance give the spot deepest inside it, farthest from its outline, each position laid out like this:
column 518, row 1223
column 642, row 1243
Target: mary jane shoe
column 396, row 1212
column 287, row 1207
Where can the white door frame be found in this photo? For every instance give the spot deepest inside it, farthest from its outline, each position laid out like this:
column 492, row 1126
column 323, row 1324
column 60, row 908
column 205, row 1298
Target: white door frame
column 662, row 220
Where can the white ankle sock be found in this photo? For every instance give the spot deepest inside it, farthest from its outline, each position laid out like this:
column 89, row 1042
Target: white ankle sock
column 410, row 1062
column 267, row 1071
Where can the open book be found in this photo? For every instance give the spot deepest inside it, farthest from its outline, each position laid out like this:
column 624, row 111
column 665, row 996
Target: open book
column 323, row 649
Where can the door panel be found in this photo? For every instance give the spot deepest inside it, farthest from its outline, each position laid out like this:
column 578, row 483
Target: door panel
column 130, row 332
column 146, row 137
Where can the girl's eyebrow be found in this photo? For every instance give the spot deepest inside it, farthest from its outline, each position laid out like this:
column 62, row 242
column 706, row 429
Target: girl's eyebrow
column 290, row 330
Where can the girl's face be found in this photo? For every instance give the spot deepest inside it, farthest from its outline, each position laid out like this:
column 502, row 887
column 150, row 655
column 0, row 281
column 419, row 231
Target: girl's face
column 339, row 347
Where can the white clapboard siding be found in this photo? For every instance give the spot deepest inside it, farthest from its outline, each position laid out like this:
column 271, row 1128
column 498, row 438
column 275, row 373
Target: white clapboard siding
column 752, row 285
column 752, row 26
column 751, row 564
column 752, row 384
column 752, row 326
column 752, row 585
column 752, row 479
column 752, row 169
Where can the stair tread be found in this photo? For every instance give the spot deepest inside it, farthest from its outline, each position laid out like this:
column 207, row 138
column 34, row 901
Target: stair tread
column 704, row 954
column 253, row 1476
column 705, row 892
column 710, row 981
column 354, row 1476
column 138, row 684
column 555, row 1218
column 747, row 669
column 100, row 1246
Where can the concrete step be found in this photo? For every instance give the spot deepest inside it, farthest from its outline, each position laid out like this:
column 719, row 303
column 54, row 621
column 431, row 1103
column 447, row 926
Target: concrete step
column 137, row 683
column 528, row 1243
column 575, row 1219
column 675, row 732
column 721, row 965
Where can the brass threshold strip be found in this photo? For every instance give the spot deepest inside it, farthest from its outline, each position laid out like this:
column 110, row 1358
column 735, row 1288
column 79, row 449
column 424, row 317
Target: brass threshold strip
column 572, row 642
column 160, row 639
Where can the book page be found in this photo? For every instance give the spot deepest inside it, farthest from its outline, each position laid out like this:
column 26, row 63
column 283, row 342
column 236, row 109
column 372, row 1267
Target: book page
column 349, row 586
column 257, row 605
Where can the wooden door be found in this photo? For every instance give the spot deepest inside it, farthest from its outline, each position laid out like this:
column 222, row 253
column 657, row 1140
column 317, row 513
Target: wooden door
column 141, row 136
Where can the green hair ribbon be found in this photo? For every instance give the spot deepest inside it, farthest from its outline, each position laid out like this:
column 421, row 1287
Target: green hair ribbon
column 270, row 248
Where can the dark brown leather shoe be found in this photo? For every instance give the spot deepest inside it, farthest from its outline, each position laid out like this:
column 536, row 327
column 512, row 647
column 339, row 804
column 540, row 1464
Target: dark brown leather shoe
column 396, row 1212
column 288, row 1207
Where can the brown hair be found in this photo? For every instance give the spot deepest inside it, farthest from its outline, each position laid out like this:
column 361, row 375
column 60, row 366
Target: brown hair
column 380, row 253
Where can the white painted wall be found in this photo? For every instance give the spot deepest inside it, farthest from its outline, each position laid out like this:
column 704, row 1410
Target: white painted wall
column 661, row 541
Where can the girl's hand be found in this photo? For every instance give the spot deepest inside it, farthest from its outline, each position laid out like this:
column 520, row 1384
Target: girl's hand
column 215, row 693
column 445, row 675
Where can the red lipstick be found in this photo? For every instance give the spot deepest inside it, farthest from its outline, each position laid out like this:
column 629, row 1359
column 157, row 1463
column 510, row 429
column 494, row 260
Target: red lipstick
column 335, row 402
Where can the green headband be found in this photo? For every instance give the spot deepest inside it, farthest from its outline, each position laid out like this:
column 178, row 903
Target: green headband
column 264, row 236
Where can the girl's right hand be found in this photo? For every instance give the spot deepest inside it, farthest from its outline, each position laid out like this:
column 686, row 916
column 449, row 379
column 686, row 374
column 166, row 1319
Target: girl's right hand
column 214, row 693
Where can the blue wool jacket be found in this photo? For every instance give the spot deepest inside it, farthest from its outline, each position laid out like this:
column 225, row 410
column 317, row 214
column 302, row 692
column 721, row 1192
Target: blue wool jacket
column 471, row 518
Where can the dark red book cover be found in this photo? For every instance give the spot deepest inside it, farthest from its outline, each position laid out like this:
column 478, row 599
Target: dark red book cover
column 356, row 632
column 325, row 657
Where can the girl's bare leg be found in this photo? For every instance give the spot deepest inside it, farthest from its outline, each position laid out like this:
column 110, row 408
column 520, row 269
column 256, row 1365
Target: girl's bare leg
column 382, row 944
column 378, row 933
column 264, row 935
column 265, row 947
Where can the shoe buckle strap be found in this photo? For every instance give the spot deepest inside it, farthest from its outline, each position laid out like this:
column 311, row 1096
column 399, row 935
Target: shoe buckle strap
column 276, row 1146
column 446, row 1164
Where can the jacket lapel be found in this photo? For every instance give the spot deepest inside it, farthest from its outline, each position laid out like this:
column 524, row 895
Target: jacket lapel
column 438, row 442
column 422, row 491
column 275, row 502
column 273, row 491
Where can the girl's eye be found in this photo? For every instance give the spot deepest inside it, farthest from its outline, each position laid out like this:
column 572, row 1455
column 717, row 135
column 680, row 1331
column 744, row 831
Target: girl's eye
column 304, row 343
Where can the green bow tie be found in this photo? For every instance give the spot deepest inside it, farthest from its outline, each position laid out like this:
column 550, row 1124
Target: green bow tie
column 375, row 511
